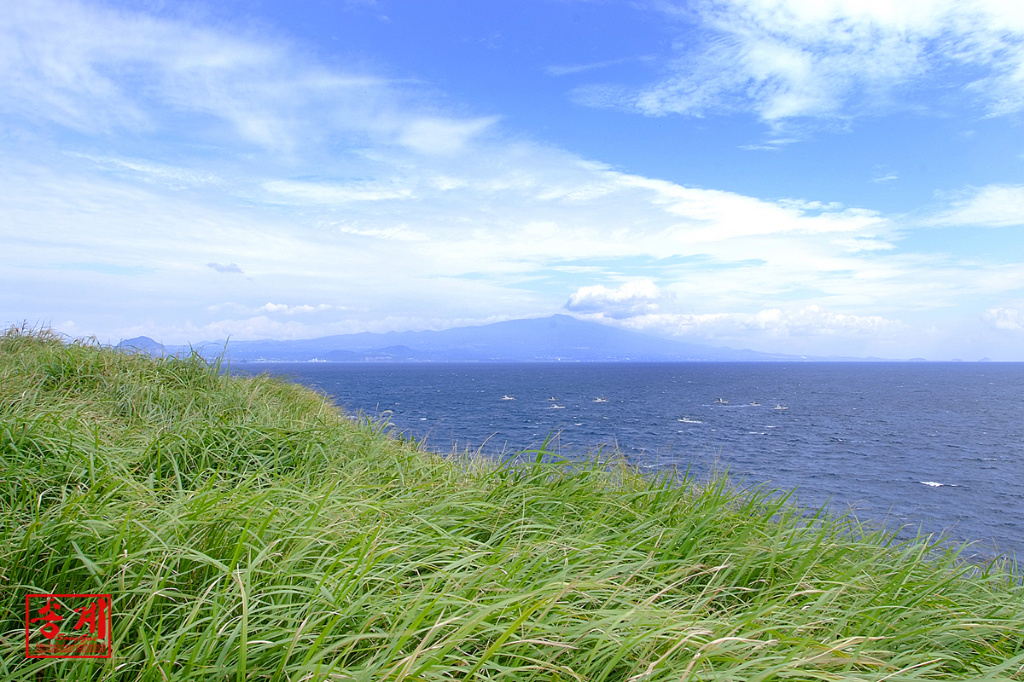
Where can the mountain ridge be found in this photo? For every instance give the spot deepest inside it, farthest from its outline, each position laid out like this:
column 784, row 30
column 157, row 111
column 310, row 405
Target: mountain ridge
column 557, row 338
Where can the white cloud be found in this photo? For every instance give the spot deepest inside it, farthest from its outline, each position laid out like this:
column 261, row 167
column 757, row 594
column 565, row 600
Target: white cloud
column 98, row 70
column 327, row 193
column 990, row 206
column 806, row 321
column 630, row 299
column 783, row 59
column 1007, row 319
column 400, row 233
column 270, row 307
column 442, row 136
column 256, row 327
column 156, row 173
column 863, row 243
column 801, row 330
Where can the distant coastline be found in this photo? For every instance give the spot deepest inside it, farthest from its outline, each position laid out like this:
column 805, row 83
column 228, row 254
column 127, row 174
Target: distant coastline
column 559, row 338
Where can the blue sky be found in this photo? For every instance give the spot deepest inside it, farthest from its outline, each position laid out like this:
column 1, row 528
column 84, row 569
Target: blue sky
column 798, row 176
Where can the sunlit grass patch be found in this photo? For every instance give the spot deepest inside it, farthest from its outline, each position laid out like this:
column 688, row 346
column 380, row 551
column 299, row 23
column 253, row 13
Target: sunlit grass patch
column 247, row 530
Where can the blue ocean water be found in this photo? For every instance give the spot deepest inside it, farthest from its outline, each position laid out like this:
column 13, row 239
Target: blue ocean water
column 930, row 446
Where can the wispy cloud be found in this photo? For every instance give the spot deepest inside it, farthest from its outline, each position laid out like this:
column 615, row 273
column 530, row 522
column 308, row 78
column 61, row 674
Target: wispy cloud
column 886, row 177
column 443, row 136
column 793, row 59
column 573, row 69
column 174, row 177
column 80, row 66
column 772, row 144
column 990, row 206
column 336, row 193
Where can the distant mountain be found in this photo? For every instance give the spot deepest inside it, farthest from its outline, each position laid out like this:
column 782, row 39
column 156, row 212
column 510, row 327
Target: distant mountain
column 142, row 344
column 548, row 339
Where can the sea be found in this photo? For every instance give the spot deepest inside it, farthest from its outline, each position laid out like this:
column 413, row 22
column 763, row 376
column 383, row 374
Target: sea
column 933, row 448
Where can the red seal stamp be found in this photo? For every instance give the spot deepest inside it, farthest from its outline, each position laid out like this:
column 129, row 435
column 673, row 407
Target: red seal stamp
column 67, row 625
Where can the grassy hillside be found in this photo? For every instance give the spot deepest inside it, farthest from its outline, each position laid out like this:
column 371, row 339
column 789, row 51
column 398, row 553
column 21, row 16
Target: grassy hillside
column 247, row 531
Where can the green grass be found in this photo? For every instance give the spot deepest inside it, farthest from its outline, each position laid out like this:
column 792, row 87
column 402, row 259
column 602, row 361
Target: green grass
column 248, row 531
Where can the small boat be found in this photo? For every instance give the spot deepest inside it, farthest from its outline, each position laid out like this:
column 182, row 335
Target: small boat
column 508, row 397
column 552, row 399
column 600, row 400
column 781, row 407
column 687, row 420
column 722, row 401
column 558, row 407
column 754, row 403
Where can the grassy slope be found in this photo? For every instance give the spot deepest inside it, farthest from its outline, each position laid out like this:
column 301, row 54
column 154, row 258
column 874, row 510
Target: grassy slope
column 248, row 531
